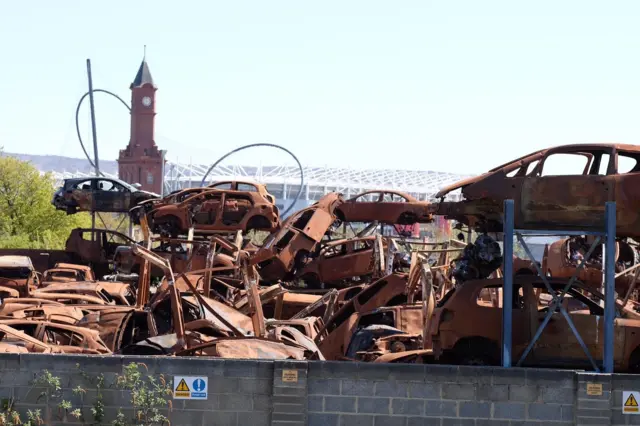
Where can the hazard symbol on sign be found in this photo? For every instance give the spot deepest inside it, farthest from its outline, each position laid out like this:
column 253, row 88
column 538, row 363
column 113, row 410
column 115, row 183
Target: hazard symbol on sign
column 630, row 402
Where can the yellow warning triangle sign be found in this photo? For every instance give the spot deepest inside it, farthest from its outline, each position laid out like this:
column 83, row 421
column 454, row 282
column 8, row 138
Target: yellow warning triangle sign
column 182, row 387
column 631, row 401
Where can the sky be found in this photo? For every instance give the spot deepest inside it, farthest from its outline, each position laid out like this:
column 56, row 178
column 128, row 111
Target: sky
column 453, row 86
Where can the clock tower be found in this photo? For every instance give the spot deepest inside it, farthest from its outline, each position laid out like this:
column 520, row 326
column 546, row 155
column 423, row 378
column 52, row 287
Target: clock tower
column 142, row 162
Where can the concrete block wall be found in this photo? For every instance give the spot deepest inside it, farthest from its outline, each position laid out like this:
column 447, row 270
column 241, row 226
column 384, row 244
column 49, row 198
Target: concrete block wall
column 297, row 393
column 411, row 395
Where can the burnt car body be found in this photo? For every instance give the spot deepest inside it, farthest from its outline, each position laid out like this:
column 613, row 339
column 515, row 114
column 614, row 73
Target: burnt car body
column 67, row 272
column 561, row 188
column 341, row 262
column 215, row 210
column 465, row 330
column 98, row 194
column 17, row 273
column 386, row 330
column 67, row 338
column 334, row 340
column 288, row 249
column 181, row 195
column 391, row 207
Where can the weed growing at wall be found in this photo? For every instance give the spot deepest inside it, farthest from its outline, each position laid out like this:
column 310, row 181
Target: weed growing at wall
column 148, row 397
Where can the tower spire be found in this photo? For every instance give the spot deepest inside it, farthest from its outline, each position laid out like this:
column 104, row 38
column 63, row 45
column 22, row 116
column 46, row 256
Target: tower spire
column 144, row 74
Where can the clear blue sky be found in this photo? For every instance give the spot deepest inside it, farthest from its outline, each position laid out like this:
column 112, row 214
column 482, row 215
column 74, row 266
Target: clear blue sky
column 456, row 86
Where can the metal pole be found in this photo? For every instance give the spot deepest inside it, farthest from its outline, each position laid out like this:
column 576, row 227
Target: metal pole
column 609, row 295
column 507, row 288
column 96, row 162
column 93, row 120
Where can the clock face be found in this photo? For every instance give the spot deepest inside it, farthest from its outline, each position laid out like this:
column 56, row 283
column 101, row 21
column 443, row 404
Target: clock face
column 146, row 101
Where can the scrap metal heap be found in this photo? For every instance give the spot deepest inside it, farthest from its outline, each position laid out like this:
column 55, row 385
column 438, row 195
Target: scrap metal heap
column 327, row 282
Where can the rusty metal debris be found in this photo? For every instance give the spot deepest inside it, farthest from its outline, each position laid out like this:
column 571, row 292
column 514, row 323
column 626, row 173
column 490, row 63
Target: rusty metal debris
column 340, row 279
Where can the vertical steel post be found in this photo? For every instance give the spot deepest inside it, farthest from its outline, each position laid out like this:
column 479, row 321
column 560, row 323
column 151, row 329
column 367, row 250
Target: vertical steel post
column 609, row 275
column 507, row 288
column 96, row 162
column 93, row 120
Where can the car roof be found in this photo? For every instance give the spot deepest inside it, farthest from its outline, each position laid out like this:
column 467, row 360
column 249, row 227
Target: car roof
column 541, row 152
column 15, row 262
column 92, row 178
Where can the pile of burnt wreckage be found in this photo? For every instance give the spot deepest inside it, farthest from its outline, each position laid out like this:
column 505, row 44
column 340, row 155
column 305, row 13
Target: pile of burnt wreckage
column 326, row 284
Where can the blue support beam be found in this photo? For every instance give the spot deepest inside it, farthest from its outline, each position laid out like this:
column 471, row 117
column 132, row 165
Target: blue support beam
column 507, row 290
column 609, row 285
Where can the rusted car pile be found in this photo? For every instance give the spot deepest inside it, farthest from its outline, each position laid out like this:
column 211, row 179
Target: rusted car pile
column 325, row 283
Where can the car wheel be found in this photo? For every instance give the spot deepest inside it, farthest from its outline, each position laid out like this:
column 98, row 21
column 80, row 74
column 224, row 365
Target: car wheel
column 72, row 209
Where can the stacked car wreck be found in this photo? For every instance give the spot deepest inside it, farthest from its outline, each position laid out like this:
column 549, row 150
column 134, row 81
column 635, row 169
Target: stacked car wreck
column 340, row 279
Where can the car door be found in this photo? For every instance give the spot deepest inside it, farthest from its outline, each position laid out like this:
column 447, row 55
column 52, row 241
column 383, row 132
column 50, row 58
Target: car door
column 235, row 209
column 558, row 346
column 336, row 263
column 109, row 196
column 207, row 212
column 627, row 169
column 569, row 188
column 80, row 195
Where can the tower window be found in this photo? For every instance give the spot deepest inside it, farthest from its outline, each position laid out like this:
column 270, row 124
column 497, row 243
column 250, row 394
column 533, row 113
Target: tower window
column 149, row 178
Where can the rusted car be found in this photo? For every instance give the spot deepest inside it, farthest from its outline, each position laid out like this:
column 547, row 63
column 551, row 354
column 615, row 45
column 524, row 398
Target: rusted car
column 17, row 273
column 60, row 275
column 67, row 272
column 96, row 247
column 341, row 262
column 64, row 272
column 182, row 194
column 15, row 341
column 387, row 291
column 386, row 330
column 175, row 197
column 98, row 194
column 287, row 250
column 465, row 330
column 391, row 207
column 215, row 210
column 67, row 338
column 120, row 326
column 561, row 259
column 559, row 188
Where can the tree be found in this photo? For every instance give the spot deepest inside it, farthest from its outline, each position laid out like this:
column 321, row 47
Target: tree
column 27, row 217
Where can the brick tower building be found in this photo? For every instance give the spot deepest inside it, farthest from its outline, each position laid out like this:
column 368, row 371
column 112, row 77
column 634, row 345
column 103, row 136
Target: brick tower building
column 141, row 162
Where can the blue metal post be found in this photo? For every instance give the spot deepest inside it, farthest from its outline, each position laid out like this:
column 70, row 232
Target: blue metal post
column 507, row 290
column 609, row 285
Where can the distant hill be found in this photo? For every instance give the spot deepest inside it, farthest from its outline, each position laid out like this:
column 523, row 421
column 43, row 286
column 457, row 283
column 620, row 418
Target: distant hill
column 60, row 164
